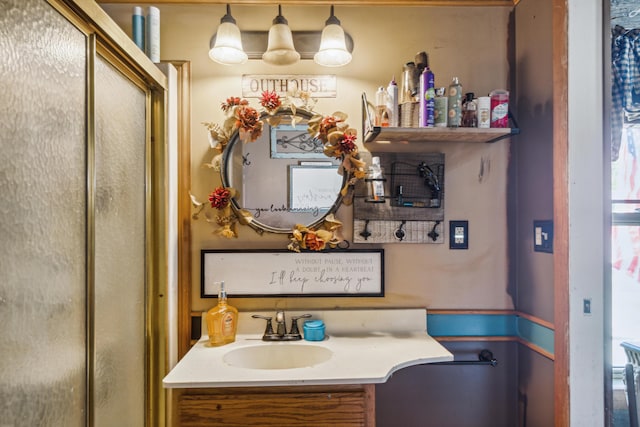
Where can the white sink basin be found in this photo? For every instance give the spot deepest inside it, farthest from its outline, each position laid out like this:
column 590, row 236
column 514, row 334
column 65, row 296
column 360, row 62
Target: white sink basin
column 277, row 356
column 365, row 347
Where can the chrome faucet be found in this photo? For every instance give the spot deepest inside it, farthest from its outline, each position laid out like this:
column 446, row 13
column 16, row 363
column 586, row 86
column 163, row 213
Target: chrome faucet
column 281, row 333
column 281, row 326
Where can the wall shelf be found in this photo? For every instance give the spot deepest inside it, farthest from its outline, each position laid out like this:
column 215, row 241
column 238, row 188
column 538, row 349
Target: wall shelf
column 392, row 139
column 386, row 139
column 388, row 135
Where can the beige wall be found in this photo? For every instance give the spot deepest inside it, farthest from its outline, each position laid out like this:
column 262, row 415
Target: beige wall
column 468, row 42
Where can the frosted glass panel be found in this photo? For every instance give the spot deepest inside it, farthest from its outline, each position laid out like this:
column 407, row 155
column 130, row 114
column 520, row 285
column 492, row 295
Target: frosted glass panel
column 42, row 217
column 120, row 249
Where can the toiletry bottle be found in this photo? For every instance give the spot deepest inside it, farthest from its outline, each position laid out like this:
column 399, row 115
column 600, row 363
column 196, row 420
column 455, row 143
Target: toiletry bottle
column 152, row 39
column 408, row 91
column 392, row 103
column 499, row 108
column 455, row 103
column 427, row 98
column 137, row 27
column 382, row 114
column 375, row 180
column 421, row 61
column 469, row 111
column 222, row 321
column 484, row 112
column 440, row 108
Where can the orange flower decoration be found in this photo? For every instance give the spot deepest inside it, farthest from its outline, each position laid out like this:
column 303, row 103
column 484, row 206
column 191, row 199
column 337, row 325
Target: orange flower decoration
column 248, row 121
column 232, row 102
column 313, row 242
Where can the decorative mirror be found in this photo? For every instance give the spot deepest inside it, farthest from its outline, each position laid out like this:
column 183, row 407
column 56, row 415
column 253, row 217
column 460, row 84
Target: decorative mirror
column 283, row 170
column 283, row 178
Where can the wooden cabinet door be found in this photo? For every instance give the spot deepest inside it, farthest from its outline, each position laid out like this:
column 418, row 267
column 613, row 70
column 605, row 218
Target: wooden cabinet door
column 277, row 406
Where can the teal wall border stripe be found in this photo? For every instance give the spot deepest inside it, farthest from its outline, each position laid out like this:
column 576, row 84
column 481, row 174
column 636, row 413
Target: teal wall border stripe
column 490, row 325
column 535, row 333
column 471, row 325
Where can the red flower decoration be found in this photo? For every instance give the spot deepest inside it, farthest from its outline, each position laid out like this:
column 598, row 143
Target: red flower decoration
column 219, row 198
column 348, row 143
column 270, row 100
column 232, row 102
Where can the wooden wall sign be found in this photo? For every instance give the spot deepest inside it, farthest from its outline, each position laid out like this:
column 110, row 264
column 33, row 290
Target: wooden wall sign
column 259, row 273
column 318, row 85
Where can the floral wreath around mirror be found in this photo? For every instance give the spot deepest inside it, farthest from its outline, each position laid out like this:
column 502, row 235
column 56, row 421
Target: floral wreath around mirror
column 338, row 139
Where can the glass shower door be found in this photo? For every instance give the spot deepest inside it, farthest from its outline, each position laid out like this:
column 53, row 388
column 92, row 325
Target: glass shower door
column 75, row 157
column 120, row 219
column 42, row 217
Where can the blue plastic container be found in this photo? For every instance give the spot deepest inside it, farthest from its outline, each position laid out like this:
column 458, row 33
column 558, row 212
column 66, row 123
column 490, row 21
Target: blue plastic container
column 313, row 330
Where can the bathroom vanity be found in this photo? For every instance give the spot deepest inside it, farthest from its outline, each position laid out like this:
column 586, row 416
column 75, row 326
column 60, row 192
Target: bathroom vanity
column 253, row 382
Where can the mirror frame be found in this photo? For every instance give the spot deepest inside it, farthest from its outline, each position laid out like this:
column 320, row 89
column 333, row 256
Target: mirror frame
column 259, row 226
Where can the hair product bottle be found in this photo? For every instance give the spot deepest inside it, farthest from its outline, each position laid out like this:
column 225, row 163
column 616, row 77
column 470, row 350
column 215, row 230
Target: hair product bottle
column 455, row 103
column 392, row 103
column 440, row 108
column 137, row 27
column 469, row 111
column 427, row 98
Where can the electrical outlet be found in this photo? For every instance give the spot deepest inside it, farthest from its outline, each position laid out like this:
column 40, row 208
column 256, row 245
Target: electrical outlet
column 543, row 236
column 458, row 234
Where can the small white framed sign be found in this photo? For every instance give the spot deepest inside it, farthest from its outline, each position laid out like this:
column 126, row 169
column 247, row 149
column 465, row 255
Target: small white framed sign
column 313, row 187
column 264, row 273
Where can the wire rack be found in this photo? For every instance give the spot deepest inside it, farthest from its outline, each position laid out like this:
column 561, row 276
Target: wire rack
column 417, row 185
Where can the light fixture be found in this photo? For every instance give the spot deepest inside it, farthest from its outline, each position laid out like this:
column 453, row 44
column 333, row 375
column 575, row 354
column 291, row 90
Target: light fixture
column 227, row 49
column 280, row 50
column 333, row 49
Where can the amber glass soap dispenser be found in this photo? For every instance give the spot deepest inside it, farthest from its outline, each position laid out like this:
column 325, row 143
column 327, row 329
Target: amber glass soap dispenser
column 222, row 321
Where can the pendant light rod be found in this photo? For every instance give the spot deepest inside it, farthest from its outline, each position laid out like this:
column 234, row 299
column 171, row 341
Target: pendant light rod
column 280, row 19
column 333, row 19
column 228, row 17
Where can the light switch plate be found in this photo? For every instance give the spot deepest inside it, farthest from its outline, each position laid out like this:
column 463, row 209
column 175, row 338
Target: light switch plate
column 543, row 236
column 458, row 234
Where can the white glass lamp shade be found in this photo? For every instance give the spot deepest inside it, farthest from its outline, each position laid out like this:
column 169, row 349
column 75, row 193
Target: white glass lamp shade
column 280, row 50
column 228, row 47
column 333, row 49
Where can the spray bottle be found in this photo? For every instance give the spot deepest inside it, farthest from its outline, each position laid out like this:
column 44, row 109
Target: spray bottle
column 392, row 103
column 427, row 98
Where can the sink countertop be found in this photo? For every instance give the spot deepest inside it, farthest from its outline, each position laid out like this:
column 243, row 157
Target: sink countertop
column 367, row 345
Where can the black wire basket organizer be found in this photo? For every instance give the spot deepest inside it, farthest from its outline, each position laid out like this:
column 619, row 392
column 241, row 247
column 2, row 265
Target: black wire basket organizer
column 417, row 185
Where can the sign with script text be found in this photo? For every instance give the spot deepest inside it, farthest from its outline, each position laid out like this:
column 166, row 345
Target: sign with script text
column 285, row 273
column 317, row 85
